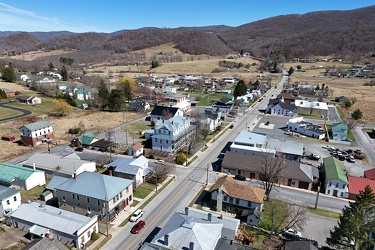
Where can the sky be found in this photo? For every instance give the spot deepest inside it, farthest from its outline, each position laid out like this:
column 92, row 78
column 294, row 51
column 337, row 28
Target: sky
column 113, row 15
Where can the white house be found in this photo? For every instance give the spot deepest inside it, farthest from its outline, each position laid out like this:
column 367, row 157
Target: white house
column 24, row 78
column 212, row 119
column 66, row 166
column 165, row 112
column 286, row 109
column 46, row 80
column 336, row 180
column 307, row 107
column 251, row 143
column 36, row 133
column 25, row 178
column 298, row 125
column 172, row 135
column 169, row 89
column 41, row 220
column 135, row 169
column 230, row 195
column 136, row 150
column 10, row 200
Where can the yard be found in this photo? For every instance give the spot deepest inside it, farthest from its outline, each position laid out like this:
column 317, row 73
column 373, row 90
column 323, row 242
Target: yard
column 143, row 190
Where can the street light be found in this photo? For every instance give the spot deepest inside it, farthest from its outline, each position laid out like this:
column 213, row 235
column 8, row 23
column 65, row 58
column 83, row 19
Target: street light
column 317, row 197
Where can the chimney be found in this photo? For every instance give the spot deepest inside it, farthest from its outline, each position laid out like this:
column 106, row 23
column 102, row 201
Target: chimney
column 191, row 246
column 209, row 217
column 34, row 166
column 110, row 172
column 166, row 237
column 186, row 210
column 75, row 175
column 163, row 120
column 172, row 122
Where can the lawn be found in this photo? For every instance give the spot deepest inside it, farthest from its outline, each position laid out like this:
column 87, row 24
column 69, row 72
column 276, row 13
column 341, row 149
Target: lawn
column 324, row 213
column 340, row 112
column 4, row 113
column 46, row 107
column 143, row 190
column 259, row 238
column 34, row 193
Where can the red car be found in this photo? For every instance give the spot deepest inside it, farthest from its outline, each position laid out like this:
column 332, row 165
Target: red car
column 137, row 227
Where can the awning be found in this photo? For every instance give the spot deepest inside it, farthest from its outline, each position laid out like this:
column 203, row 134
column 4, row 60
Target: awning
column 38, row 230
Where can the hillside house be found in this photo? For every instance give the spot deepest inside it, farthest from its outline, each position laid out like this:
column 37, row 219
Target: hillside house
column 32, row 100
column 36, row 133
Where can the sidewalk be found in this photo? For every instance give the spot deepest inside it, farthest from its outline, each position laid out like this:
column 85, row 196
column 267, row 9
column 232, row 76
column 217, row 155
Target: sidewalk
column 115, row 228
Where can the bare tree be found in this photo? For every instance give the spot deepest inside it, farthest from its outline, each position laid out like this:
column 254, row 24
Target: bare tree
column 270, row 172
column 166, row 114
column 285, row 215
column 161, row 171
column 350, row 122
column 109, row 133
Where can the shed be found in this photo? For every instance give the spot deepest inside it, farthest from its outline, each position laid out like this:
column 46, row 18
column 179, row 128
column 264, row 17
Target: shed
column 8, row 138
column 47, row 195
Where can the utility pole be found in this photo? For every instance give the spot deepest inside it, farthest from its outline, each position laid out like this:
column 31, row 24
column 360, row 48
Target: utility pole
column 317, row 197
column 126, row 134
column 208, row 165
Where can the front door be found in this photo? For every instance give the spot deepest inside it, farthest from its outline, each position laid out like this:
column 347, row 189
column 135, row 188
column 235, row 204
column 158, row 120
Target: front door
column 335, row 193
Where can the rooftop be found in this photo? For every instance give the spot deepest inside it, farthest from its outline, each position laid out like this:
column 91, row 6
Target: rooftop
column 38, row 125
column 6, row 192
column 246, row 138
column 9, row 172
column 334, row 169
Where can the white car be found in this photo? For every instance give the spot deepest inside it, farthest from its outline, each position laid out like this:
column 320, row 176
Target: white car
column 351, row 159
column 137, row 214
column 293, row 232
column 160, row 162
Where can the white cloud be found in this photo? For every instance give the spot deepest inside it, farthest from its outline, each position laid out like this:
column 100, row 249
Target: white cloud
column 15, row 19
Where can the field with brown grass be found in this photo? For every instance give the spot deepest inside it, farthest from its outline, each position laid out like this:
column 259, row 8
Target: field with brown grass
column 94, row 121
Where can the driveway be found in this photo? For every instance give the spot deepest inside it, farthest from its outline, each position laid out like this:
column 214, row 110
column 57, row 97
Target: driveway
column 23, row 111
column 11, row 236
column 333, row 115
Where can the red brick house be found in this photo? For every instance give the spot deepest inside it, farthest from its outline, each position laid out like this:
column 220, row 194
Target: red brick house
column 36, row 133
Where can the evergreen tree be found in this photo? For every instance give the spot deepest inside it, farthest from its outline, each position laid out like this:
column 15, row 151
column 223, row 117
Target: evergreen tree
column 290, row 71
column 240, row 89
column 51, row 66
column 356, row 222
column 116, row 100
column 8, row 73
column 3, row 95
column 127, row 91
column 154, row 64
column 357, row 114
column 103, row 94
column 64, row 73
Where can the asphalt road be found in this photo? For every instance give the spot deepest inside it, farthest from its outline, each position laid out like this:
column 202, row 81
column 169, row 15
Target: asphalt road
column 24, row 112
column 333, row 115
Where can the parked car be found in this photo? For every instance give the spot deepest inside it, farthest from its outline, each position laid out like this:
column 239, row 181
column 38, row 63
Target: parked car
column 342, row 157
column 293, row 232
column 351, row 159
column 160, row 162
column 138, row 227
column 314, row 157
column 267, row 123
column 358, row 151
column 239, row 177
column 137, row 214
column 231, row 126
column 359, row 157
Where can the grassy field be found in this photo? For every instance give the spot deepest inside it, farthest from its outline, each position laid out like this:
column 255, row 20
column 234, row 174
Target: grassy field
column 143, row 190
column 4, row 113
column 324, row 213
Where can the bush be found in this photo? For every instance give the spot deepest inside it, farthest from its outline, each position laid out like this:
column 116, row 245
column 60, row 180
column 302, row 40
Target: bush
column 357, row 114
column 348, row 104
column 181, row 158
column 94, row 236
column 74, row 131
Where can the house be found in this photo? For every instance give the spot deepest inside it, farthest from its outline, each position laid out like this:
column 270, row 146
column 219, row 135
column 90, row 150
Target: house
column 250, row 166
column 8, row 92
column 233, row 196
column 284, row 109
column 178, row 101
column 299, row 125
column 93, row 193
column 289, row 150
column 25, row 178
column 131, row 169
column 287, row 99
column 335, row 179
column 171, row 135
column 251, row 143
column 46, row 79
column 45, row 243
column 41, row 220
column 65, row 166
column 10, row 200
column 212, row 119
column 196, row 229
column 24, row 78
column 339, row 131
column 36, row 133
column 165, row 112
column 309, row 108
column 84, row 140
column 139, row 106
column 33, row 100
column 358, row 184
column 136, row 150
column 370, row 174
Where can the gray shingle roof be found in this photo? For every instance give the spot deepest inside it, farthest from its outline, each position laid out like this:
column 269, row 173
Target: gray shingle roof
column 106, row 187
column 6, row 192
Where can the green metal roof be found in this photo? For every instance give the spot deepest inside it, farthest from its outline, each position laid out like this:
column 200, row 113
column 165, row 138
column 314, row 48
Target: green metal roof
column 10, row 172
column 334, row 169
column 38, row 125
column 86, row 138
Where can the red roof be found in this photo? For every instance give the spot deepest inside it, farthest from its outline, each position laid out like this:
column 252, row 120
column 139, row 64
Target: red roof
column 357, row 184
column 137, row 146
column 370, row 174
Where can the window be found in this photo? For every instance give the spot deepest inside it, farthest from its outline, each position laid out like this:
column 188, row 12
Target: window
column 130, row 198
column 63, row 198
column 118, row 197
column 330, row 183
column 77, row 196
column 121, row 194
column 237, row 201
column 231, row 199
column 328, row 191
column 341, row 194
column 337, row 185
column 15, row 198
column 167, row 141
column 83, row 238
column 127, row 189
column 88, row 209
column 343, row 185
column 249, row 203
column 156, row 139
column 98, row 202
column 74, row 196
column 88, row 200
column 114, row 200
column 88, row 234
column 8, row 202
column 225, row 198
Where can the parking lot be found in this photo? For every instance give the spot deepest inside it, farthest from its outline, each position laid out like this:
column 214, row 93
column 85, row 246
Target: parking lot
column 274, row 126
